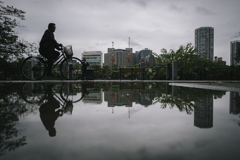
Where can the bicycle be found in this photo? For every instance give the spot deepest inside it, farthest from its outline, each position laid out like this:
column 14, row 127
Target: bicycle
column 35, row 67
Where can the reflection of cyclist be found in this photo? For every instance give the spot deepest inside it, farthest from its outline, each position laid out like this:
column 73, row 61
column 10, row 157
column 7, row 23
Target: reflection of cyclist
column 85, row 91
column 48, row 45
column 84, row 67
column 48, row 114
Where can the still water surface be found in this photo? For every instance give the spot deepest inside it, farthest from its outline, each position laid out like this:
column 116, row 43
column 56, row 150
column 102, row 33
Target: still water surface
column 117, row 121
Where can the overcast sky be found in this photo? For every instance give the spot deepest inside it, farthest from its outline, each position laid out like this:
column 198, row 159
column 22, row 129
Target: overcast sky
column 92, row 25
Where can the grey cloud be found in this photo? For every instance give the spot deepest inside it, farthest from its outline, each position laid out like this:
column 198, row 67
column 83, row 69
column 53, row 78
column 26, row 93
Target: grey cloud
column 101, row 44
column 176, row 8
column 204, row 11
column 135, row 44
column 236, row 35
column 142, row 3
column 201, row 144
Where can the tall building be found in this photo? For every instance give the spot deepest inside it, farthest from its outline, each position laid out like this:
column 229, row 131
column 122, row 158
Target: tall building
column 204, row 42
column 144, row 53
column 119, row 57
column 93, row 57
column 235, row 53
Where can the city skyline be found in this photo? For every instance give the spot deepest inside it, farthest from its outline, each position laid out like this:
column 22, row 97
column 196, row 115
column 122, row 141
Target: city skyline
column 93, row 25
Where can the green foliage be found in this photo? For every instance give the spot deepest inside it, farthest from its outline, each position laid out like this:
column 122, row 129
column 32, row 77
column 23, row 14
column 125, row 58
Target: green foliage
column 11, row 48
column 192, row 66
column 99, row 72
column 156, row 72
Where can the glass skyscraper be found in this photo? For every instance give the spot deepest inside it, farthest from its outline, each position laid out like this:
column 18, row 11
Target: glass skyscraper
column 235, row 53
column 204, row 42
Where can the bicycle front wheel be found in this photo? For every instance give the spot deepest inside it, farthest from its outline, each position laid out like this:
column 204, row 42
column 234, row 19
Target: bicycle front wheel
column 33, row 68
column 71, row 92
column 33, row 93
column 71, row 68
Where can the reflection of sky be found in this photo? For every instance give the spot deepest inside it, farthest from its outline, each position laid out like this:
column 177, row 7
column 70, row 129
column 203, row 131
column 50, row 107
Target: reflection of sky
column 93, row 132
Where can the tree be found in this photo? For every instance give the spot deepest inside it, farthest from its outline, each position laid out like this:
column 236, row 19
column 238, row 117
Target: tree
column 185, row 56
column 11, row 48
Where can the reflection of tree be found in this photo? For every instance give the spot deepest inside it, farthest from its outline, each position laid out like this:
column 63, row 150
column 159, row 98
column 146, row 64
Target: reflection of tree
column 181, row 104
column 185, row 99
column 12, row 107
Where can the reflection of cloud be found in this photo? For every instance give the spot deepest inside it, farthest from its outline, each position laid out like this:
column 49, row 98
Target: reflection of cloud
column 202, row 144
column 204, row 11
column 175, row 146
column 133, row 111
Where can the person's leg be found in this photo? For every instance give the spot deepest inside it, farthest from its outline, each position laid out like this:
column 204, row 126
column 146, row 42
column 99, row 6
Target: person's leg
column 55, row 55
column 83, row 74
column 49, row 62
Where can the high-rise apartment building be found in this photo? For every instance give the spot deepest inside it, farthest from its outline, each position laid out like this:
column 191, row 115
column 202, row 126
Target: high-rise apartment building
column 204, row 42
column 235, row 53
column 144, row 53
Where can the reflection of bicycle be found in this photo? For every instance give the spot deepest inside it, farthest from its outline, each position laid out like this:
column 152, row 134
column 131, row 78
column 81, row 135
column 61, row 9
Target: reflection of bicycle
column 35, row 67
column 66, row 94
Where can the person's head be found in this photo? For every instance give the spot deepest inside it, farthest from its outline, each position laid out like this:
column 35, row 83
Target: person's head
column 52, row 132
column 52, row 27
column 84, row 59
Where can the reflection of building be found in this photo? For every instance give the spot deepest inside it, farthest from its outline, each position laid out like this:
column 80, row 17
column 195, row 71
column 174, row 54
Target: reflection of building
column 125, row 97
column 93, row 97
column 119, row 98
column 204, row 42
column 234, row 103
column 203, row 112
column 235, row 53
column 145, row 98
column 93, row 57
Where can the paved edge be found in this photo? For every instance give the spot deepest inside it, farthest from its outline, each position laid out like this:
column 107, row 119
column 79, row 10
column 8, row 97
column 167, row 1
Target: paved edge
column 117, row 81
column 203, row 86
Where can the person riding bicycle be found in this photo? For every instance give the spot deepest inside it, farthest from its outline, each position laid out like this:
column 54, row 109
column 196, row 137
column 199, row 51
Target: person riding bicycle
column 84, row 67
column 48, row 44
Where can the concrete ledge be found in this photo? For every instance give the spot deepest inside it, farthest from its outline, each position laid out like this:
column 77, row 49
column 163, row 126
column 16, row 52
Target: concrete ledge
column 205, row 86
column 117, row 81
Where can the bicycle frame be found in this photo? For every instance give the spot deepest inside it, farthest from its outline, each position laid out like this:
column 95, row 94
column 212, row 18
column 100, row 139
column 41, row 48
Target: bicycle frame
column 60, row 59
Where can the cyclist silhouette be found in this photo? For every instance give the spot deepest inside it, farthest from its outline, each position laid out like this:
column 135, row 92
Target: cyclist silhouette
column 84, row 67
column 85, row 91
column 48, row 44
column 48, row 114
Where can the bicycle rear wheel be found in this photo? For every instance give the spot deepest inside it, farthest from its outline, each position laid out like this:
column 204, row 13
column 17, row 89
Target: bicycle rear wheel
column 33, row 68
column 71, row 68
